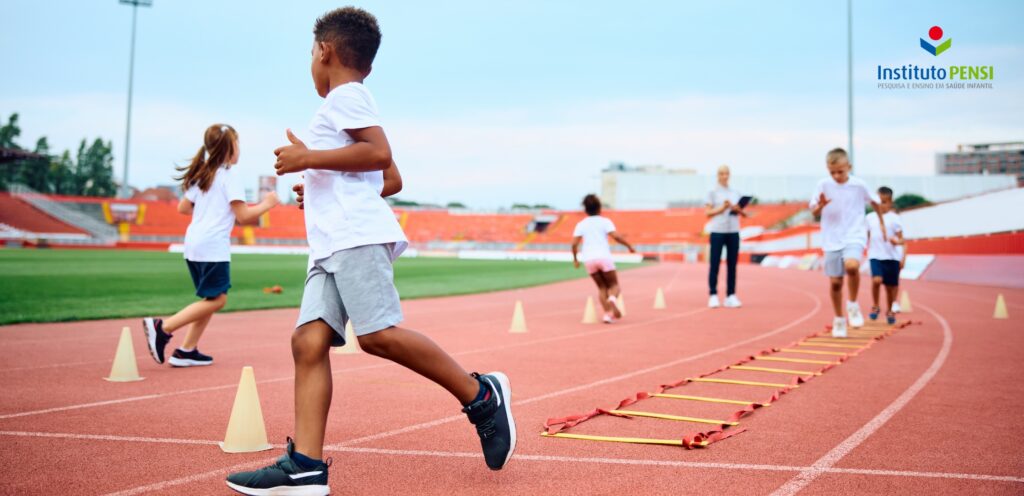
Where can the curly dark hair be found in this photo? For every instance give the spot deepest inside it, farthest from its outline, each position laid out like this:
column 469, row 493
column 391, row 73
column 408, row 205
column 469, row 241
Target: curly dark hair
column 353, row 33
column 592, row 204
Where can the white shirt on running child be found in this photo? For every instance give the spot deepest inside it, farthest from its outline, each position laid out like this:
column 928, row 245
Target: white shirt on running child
column 594, row 231
column 724, row 222
column 344, row 209
column 842, row 219
column 883, row 250
column 208, row 238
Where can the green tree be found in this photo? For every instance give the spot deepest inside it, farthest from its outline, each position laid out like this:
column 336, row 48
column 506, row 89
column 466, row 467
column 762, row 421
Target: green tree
column 455, row 205
column 94, row 170
column 908, row 200
column 520, row 206
column 9, row 132
column 62, row 175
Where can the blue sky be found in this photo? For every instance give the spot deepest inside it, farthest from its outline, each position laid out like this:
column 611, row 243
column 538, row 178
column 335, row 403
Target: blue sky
column 490, row 103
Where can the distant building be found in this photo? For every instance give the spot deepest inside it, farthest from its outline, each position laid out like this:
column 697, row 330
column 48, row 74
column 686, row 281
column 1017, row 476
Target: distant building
column 653, row 187
column 984, row 158
column 159, row 193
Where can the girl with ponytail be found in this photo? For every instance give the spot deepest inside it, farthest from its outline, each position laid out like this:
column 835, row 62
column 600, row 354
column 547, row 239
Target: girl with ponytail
column 215, row 199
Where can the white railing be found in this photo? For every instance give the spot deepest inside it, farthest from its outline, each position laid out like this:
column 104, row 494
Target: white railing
column 102, row 232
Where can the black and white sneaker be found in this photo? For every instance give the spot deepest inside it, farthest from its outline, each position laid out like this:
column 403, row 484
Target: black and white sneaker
column 189, row 358
column 283, row 478
column 492, row 417
column 156, row 338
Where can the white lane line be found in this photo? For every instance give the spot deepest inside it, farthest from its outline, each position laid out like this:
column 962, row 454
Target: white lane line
column 441, row 421
column 827, row 461
column 608, row 380
column 546, row 458
column 130, row 399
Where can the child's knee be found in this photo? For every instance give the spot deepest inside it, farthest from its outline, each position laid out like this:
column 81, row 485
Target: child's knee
column 380, row 343
column 309, row 343
column 835, row 283
column 219, row 301
column 877, row 281
column 852, row 266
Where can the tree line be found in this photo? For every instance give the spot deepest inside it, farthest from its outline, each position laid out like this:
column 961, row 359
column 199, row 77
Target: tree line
column 90, row 172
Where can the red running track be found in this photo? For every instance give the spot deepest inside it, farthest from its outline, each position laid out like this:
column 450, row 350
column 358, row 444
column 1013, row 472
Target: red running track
column 935, row 408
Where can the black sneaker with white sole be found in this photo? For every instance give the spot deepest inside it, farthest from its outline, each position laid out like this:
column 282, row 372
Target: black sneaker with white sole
column 284, row 478
column 189, row 358
column 156, row 338
column 492, row 417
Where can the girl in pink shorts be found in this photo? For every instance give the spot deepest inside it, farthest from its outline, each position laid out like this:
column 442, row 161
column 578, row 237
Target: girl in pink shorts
column 592, row 233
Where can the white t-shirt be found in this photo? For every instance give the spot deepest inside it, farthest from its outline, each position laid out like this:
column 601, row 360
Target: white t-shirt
column 724, row 222
column 344, row 209
column 842, row 220
column 594, row 231
column 208, row 238
column 883, row 250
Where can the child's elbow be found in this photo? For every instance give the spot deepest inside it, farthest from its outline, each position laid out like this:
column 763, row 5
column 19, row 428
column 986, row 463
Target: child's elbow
column 381, row 158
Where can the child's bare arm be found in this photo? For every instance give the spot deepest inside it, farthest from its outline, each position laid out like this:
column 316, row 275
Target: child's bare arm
column 370, row 152
column 622, row 241
column 575, row 249
column 881, row 220
column 392, row 181
column 244, row 214
column 185, row 206
column 819, row 205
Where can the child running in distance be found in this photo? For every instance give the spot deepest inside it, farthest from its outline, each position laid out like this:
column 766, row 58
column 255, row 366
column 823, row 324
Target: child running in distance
column 886, row 257
column 215, row 198
column 840, row 200
column 593, row 232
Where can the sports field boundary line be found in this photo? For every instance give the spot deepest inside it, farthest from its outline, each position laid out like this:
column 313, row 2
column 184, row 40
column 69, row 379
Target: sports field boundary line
column 607, row 329
column 549, row 458
column 827, row 461
column 442, row 421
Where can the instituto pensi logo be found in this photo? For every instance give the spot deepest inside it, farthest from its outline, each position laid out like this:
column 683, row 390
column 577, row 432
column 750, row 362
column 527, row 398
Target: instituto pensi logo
column 935, row 33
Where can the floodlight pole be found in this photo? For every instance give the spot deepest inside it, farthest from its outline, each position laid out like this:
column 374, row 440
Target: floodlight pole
column 131, row 76
column 849, row 78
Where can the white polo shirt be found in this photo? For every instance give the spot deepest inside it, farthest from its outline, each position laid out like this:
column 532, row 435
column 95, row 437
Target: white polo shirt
column 842, row 219
column 208, row 237
column 344, row 209
column 724, row 222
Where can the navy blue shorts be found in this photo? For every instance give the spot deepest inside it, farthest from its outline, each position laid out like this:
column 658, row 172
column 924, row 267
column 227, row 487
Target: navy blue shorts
column 211, row 279
column 888, row 270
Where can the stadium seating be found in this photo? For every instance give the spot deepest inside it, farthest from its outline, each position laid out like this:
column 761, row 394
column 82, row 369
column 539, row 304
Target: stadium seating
column 24, row 217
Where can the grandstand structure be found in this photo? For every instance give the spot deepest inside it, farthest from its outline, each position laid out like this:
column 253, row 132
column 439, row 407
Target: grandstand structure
column 781, row 234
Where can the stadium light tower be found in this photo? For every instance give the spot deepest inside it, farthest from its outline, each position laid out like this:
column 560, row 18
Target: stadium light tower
column 131, row 73
column 849, row 78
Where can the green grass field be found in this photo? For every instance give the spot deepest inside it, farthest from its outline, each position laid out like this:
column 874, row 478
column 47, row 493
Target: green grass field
column 63, row 285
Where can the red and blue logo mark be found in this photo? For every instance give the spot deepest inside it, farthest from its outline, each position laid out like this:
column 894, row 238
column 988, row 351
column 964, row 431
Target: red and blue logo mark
column 935, row 33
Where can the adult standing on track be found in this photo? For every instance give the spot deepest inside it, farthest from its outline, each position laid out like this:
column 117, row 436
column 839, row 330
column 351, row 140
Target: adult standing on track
column 724, row 210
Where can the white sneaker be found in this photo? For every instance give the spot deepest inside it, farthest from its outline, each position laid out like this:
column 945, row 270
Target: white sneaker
column 856, row 318
column 607, row 319
column 713, row 302
column 895, row 307
column 732, row 302
column 839, row 327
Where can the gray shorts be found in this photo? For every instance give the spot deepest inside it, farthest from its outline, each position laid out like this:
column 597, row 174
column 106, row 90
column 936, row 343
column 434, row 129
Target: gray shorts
column 357, row 284
column 834, row 259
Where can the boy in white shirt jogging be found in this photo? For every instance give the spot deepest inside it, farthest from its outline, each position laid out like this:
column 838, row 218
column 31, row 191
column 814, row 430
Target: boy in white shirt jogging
column 886, row 257
column 354, row 238
column 840, row 200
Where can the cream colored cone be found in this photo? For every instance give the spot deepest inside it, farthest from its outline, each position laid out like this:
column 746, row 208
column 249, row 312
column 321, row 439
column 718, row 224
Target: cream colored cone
column 518, row 319
column 246, row 431
column 1000, row 312
column 659, row 300
column 621, row 300
column 125, row 368
column 589, row 313
column 351, row 342
column 905, row 302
